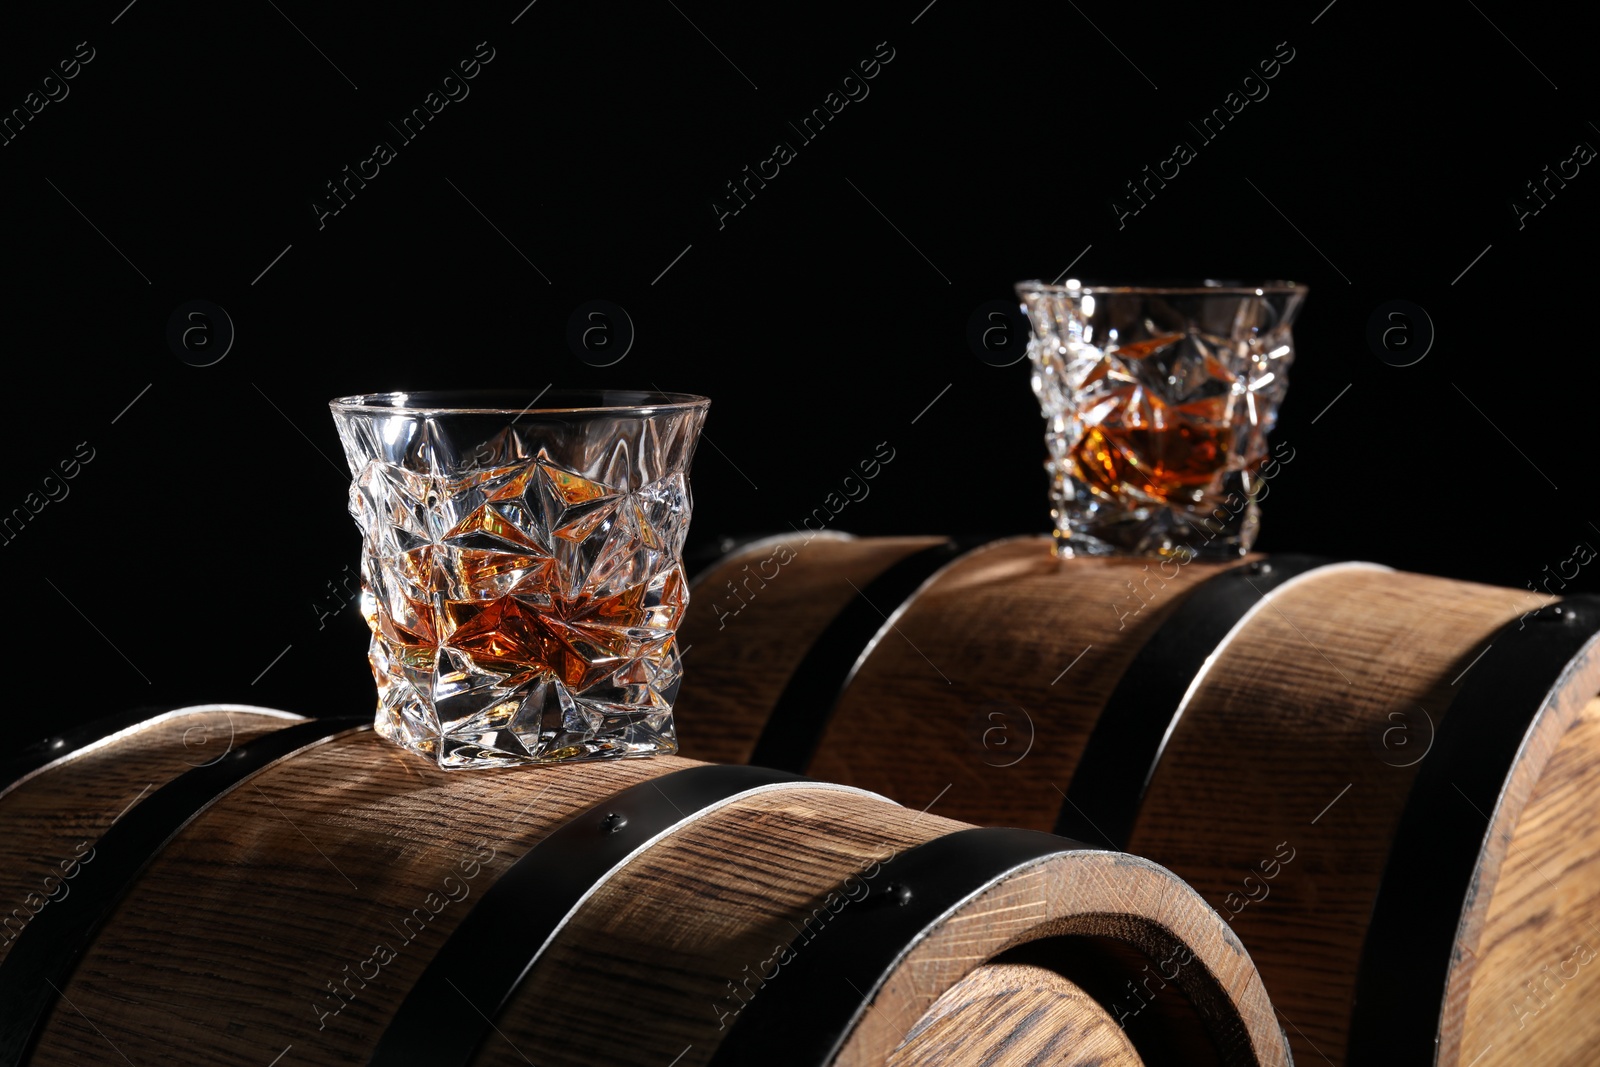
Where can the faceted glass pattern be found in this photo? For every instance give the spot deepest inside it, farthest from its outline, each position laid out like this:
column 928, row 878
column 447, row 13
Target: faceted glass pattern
column 1158, row 403
column 521, row 569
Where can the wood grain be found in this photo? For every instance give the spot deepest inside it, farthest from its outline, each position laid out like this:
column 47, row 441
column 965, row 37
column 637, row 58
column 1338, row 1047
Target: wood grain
column 1292, row 712
column 682, row 932
column 1015, row 1015
column 1525, row 985
column 1292, row 742
column 675, row 934
column 746, row 642
column 1009, row 651
column 256, row 928
column 224, row 950
column 1087, row 894
column 48, row 840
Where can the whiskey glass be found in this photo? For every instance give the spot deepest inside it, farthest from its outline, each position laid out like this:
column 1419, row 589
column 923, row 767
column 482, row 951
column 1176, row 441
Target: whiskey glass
column 1158, row 401
column 521, row 568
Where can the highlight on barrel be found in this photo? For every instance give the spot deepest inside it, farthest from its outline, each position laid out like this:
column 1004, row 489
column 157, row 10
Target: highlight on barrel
column 113, row 762
column 1386, row 781
column 989, row 1012
column 319, row 895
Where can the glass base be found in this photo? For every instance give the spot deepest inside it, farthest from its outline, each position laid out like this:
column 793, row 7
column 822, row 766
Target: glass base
column 503, row 722
column 1156, row 532
column 507, row 748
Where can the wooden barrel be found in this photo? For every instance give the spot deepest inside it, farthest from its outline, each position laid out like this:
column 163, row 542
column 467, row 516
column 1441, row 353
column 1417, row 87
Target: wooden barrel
column 1387, row 781
column 309, row 894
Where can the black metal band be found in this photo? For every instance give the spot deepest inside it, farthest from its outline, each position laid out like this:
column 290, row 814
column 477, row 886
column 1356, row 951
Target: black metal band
column 73, row 740
column 48, row 949
column 1428, row 880
column 502, row 937
column 825, row 982
column 18, row 765
column 798, row 718
column 827, row 978
column 1126, row 743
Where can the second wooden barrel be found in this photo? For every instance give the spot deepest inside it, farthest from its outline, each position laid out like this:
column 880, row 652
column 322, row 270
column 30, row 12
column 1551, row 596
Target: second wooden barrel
column 227, row 885
column 1387, row 781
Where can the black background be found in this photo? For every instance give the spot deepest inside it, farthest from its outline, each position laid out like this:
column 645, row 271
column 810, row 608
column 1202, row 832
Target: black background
column 197, row 547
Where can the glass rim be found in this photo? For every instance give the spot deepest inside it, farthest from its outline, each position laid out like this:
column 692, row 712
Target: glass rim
column 430, row 402
column 1204, row 287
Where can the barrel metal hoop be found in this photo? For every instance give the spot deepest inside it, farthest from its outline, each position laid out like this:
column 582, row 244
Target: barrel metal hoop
column 800, row 716
column 823, row 984
column 49, row 947
column 1429, row 876
column 498, row 942
column 84, row 737
column 1128, row 739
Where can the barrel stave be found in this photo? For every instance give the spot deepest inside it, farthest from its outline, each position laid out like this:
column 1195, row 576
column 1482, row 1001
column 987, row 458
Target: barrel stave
column 254, row 929
column 1294, row 717
column 684, row 935
column 805, row 585
column 945, row 699
column 51, row 818
column 290, row 883
column 1304, row 737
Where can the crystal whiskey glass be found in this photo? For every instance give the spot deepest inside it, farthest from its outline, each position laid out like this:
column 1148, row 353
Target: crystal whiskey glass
column 1158, row 402
column 521, row 569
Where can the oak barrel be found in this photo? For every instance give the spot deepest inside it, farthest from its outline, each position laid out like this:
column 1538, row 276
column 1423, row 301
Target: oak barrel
column 1388, row 782
column 227, row 884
